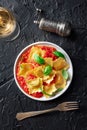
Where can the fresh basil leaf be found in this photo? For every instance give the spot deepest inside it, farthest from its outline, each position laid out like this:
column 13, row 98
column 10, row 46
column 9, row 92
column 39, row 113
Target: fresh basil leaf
column 59, row 54
column 47, row 70
column 65, row 74
column 39, row 59
column 59, row 89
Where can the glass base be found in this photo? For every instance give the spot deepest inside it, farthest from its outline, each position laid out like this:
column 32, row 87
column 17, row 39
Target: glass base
column 13, row 35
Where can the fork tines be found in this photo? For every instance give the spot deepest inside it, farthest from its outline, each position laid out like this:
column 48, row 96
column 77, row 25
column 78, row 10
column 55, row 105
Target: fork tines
column 72, row 105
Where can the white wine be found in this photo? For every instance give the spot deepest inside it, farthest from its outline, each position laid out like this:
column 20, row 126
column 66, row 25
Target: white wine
column 9, row 28
column 7, row 23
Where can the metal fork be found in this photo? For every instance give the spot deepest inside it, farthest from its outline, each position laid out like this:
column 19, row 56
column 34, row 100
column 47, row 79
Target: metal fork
column 65, row 106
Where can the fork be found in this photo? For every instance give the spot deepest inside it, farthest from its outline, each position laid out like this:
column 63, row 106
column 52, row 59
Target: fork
column 65, row 106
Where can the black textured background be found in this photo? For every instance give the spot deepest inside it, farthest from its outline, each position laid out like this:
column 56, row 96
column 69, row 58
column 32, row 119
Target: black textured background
column 11, row 99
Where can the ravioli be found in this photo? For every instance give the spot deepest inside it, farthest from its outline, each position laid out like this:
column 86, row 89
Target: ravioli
column 38, row 71
column 49, row 90
column 34, row 85
column 59, row 80
column 24, row 68
column 49, row 61
column 60, row 63
column 50, row 78
column 35, row 50
column 35, row 79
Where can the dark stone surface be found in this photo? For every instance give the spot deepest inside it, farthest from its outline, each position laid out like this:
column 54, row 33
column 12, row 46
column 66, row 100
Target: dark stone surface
column 11, row 99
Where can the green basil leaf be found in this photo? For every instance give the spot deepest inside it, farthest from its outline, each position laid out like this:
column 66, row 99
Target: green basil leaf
column 45, row 92
column 59, row 89
column 39, row 59
column 65, row 74
column 47, row 70
column 59, row 54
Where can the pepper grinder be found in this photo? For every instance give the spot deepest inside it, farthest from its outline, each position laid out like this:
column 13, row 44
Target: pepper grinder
column 60, row 28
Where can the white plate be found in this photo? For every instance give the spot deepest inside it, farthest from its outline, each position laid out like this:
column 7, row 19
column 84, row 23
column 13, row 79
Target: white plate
column 70, row 70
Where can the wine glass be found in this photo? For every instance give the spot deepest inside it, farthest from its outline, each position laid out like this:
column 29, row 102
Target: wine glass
column 9, row 28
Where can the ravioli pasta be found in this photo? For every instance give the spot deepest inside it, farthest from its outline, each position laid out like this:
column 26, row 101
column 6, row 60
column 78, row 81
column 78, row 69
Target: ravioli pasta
column 33, row 72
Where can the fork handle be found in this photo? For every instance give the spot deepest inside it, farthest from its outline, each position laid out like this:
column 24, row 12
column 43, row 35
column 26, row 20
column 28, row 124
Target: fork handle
column 23, row 115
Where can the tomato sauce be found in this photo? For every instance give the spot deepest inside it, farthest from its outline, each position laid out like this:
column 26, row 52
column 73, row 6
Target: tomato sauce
column 37, row 94
column 49, row 52
column 22, row 83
